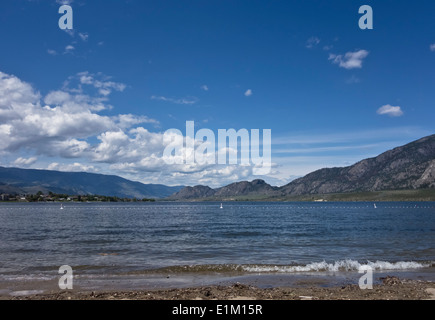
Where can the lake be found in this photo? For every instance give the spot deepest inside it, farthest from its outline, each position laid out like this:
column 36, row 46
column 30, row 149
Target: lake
column 100, row 240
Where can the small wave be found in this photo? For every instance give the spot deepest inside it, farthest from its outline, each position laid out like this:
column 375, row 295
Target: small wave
column 342, row 265
column 26, row 277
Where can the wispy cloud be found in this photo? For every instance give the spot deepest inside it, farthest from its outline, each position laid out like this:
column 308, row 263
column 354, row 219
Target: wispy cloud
column 432, row 47
column 52, row 52
column 328, row 148
column 70, row 32
column 248, row 93
column 68, row 2
column 72, row 167
column 24, row 162
column 312, row 42
column 390, row 110
column 84, row 36
column 353, row 79
column 402, row 132
column 351, row 60
column 188, row 100
column 204, row 87
column 104, row 86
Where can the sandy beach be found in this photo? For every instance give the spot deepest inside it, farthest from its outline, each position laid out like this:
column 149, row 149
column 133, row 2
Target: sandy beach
column 391, row 288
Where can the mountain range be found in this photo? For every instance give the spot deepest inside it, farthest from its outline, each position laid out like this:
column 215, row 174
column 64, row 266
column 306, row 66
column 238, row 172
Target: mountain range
column 30, row 181
column 409, row 167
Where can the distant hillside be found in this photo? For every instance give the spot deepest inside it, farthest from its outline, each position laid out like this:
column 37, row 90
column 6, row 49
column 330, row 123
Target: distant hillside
column 244, row 188
column 409, row 167
column 25, row 181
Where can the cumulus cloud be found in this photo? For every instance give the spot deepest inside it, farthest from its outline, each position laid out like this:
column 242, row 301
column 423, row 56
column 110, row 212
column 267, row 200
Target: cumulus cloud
column 248, row 93
column 351, row 60
column 390, row 111
column 65, row 124
column 57, row 124
column 204, row 87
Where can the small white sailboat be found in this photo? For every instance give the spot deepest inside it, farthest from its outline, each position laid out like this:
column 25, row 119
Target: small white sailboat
column 221, row 206
column 374, row 205
column 61, row 206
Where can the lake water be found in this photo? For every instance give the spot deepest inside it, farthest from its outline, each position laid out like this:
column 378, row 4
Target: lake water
column 242, row 238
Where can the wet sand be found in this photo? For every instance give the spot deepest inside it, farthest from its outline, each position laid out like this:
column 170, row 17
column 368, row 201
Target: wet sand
column 390, row 288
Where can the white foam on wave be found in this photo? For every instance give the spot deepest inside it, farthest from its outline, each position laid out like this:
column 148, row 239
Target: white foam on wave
column 25, row 277
column 342, row 265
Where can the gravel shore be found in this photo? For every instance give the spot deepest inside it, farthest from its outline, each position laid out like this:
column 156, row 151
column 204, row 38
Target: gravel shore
column 391, row 288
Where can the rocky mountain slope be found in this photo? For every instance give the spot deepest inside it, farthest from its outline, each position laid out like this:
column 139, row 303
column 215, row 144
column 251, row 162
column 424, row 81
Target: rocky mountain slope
column 408, row 167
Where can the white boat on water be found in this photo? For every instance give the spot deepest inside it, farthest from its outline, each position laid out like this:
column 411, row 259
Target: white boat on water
column 61, row 206
column 221, row 206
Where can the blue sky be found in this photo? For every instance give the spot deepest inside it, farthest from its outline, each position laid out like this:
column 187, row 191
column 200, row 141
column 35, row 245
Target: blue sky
column 99, row 98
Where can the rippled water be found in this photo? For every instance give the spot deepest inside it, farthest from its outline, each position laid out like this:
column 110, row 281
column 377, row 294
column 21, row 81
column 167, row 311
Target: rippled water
column 117, row 238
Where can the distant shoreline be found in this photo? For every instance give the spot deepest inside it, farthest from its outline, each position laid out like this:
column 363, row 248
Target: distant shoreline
column 418, row 195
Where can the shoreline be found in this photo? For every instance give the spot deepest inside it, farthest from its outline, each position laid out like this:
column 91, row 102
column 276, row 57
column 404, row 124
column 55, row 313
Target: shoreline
column 391, row 288
column 307, row 286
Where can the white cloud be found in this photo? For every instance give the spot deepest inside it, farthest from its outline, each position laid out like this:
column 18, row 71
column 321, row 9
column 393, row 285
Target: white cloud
column 60, row 127
column 353, row 79
column 70, row 32
column 84, row 36
column 351, row 60
column 72, row 167
column 101, row 82
column 248, row 93
column 312, row 42
column 390, row 110
column 24, row 162
column 69, row 48
column 188, row 100
column 128, row 120
column 65, row 124
column 62, row 2
column 204, row 87
column 432, row 47
column 52, row 52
